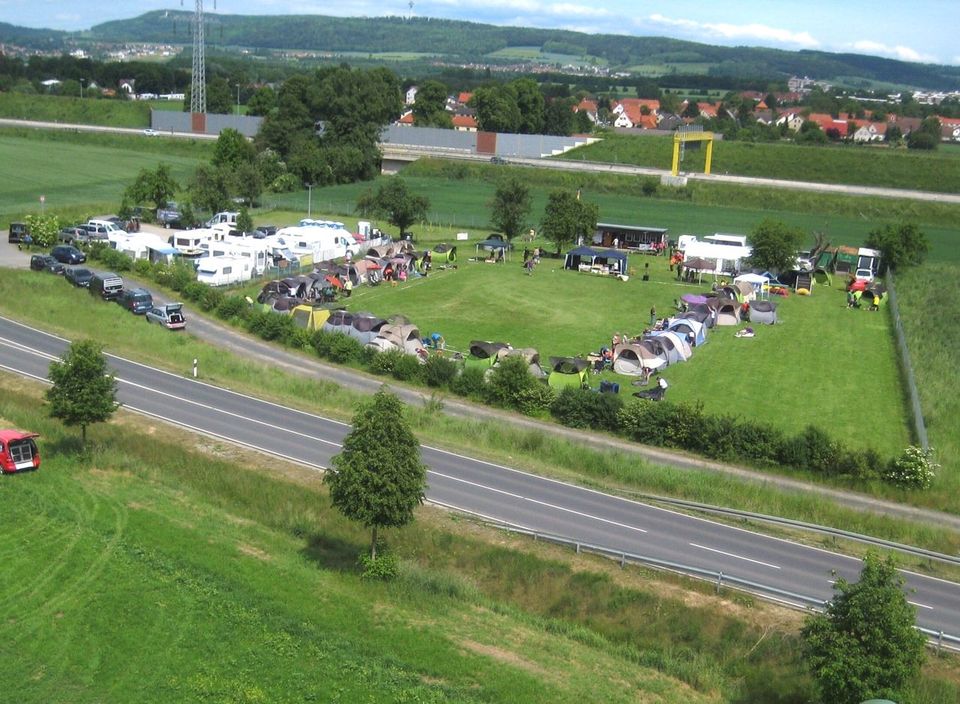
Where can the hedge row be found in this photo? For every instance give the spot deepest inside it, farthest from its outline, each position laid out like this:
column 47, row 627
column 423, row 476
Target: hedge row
column 510, row 385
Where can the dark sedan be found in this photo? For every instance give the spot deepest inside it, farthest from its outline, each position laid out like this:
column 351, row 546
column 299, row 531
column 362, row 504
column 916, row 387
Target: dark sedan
column 68, row 254
column 78, row 276
column 44, row 262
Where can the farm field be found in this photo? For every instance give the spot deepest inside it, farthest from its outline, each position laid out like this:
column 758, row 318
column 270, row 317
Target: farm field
column 85, row 111
column 862, row 165
column 88, row 175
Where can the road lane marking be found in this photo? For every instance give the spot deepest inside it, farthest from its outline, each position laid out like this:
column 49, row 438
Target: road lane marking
column 538, row 502
column 922, row 606
column 730, row 554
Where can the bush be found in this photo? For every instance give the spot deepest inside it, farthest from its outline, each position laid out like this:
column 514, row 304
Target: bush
column 408, row 368
column 116, row 261
column 535, row 399
column 582, row 408
column 470, row 382
column 385, row 362
column 321, row 340
column 297, row 337
column 344, row 349
column 194, row 291
column 270, row 326
column 232, row 307
column 439, row 371
column 384, row 566
column 509, row 381
column 645, row 421
column 176, row 277
column 211, row 298
column 142, row 267
column 913, row 469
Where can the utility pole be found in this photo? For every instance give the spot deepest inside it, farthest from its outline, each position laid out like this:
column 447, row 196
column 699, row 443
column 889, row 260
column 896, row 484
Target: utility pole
column 309, row 200
column 238, row 99
column 198, row 85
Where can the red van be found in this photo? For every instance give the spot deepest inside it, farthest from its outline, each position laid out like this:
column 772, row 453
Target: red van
column 18, row 451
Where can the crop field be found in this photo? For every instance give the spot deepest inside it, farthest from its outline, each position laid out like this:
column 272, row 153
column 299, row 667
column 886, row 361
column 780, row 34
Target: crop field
column 86, row 111
column 78, row 174
column 861, row 165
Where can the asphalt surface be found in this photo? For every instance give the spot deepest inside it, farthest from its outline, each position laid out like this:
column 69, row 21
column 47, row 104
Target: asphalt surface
column 497, row 492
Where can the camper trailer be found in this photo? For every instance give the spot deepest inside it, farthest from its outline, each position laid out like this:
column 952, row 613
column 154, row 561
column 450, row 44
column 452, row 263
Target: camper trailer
column 223, row 271
column 258, row 252
column 320, row 242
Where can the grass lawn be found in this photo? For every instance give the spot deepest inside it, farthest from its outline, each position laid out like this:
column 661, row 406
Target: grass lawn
column 86, row 111
column 862, row 165
column 77, row 175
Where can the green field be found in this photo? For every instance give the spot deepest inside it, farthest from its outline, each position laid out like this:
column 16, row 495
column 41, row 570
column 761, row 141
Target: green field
column 860, row 165
column 85, row 173
column 85, row 111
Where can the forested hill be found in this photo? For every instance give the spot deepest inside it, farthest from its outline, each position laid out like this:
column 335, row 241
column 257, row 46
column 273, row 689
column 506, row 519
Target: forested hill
column 470, row 41
column 42, row 39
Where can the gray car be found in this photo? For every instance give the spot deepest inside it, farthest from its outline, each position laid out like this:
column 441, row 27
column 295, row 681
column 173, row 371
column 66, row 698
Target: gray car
column 78, row 276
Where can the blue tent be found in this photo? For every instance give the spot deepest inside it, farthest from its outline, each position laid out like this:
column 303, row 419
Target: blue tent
column 578, row 256
column 693, row 331
column 617, row 261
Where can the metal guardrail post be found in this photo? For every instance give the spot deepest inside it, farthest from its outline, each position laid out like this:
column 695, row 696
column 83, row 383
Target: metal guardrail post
column 719, row 581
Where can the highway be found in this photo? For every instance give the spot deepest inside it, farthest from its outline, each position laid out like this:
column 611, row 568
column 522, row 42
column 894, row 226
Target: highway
column 497, row 492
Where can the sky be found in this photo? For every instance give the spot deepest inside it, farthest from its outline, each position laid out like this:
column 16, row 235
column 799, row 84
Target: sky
column 920, row 31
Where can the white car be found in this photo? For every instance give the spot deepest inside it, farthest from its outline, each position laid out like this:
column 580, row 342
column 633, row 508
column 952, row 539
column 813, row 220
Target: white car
column 150, row 132
column 864, row 275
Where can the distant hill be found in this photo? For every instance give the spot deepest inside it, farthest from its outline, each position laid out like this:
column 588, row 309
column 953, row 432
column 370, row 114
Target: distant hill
column 472, row 41
column 43, row 39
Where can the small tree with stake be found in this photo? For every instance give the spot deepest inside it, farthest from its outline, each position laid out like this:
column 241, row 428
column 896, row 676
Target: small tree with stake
column 379, row 478
column 83, row 392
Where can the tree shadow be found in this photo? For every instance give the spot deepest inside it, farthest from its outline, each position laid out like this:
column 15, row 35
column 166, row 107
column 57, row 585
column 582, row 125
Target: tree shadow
column 67, row 445
column 332, row 553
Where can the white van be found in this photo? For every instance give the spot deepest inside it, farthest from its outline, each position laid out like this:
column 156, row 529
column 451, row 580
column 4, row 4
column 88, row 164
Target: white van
column 107, row 227
column 224, row 218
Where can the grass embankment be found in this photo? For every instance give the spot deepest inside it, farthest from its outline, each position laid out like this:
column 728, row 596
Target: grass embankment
column 86, row 111
column 82, row 175
column 76, row 314
column 937, row 171
column 162, row 566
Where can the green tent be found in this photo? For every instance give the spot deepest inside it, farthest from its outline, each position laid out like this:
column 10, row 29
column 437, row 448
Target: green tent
column 568, row 373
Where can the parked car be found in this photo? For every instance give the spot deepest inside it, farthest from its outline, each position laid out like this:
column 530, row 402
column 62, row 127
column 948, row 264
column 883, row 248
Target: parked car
column 78, row 276
column 109, row 226
column 264, row 231
column 73, row 235
column 497, row 160
column 135, row 300
column 94, row 233
column 169, row 215
column 169, row 316
column 68, row 254
column 864, row 275
column 18, row 451
column 18, row 231
column 44, row 262
column 149, row 132
column 106, row 285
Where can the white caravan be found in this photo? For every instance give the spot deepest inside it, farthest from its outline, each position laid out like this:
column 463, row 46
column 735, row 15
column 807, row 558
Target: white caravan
column 317, row 238
column 223, row 271
column 259, row 253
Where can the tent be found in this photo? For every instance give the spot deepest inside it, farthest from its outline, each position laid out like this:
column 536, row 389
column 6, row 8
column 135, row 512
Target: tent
column 730, row 292
column 365, row 327
column 728, row 313
column 758, row 282
column 310, row 317
column 746, row 289
column 581, row 256
column 693, row 299
column 340, row 321
column 704, row 317
column 615, row 261
column 484, row 354
column 764, row 312
column 529, row 355
column 631, row 357
column 405, row 338
column 499, row 249
column 822, row 276
column 691, row 329
column 675, row 346
column 568, row 372
column 443, row 253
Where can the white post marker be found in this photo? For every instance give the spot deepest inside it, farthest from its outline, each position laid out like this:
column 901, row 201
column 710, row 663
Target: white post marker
column 194, row 368
column 43, row 199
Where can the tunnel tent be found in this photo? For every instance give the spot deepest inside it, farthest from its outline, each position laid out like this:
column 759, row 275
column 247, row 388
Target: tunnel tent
column 675, row 346
column 630, row 358
column 483, row 354
column 568, row 372
column 689, row 329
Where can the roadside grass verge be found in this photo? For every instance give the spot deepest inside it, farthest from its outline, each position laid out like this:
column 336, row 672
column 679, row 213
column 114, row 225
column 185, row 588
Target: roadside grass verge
column 190, row 570
column 938, row 171
column 77, row 314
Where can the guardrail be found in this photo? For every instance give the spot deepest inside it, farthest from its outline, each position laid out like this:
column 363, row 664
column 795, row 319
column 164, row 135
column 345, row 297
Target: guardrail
column 827, row 530
column 936, row 639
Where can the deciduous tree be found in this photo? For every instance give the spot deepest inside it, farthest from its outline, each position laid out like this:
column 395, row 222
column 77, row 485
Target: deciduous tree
column 901, row 245
column 566, row 217
column 379, row 478
column 156, row 187
column 430, row 107
column 864, row 645
column 396, row 203
column 510, row 207
column 775, row 245
column 83, row 391
column 232, row 149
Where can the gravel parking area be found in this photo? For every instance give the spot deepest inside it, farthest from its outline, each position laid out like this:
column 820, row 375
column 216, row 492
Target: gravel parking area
column 12, row 257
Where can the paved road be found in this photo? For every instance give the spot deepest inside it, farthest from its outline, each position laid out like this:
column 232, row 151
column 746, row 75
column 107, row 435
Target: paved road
column 491, row 490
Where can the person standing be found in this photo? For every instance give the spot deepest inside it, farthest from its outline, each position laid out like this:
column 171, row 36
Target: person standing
column 348, row 287
column 653, row 315
column 616, row 242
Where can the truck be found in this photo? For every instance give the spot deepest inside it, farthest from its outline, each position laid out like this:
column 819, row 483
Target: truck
column 18, row 451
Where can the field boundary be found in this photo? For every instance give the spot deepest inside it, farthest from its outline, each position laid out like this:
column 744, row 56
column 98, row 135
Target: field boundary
column 906, row 367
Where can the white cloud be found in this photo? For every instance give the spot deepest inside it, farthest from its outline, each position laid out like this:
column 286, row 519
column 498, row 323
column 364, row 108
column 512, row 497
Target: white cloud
column 527, row 7
column 739, row 32
column 904, row 53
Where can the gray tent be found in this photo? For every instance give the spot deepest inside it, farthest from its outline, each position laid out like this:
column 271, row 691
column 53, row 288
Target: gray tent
column 631, row 357
column 764, row 312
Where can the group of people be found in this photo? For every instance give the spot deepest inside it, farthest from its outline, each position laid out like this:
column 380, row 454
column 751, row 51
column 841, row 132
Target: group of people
column 855, row 300
column 393, row 275
column 530, row 260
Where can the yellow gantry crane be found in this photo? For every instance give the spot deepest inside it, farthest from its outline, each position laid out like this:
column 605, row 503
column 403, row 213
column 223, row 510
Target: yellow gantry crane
column 691, row 134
